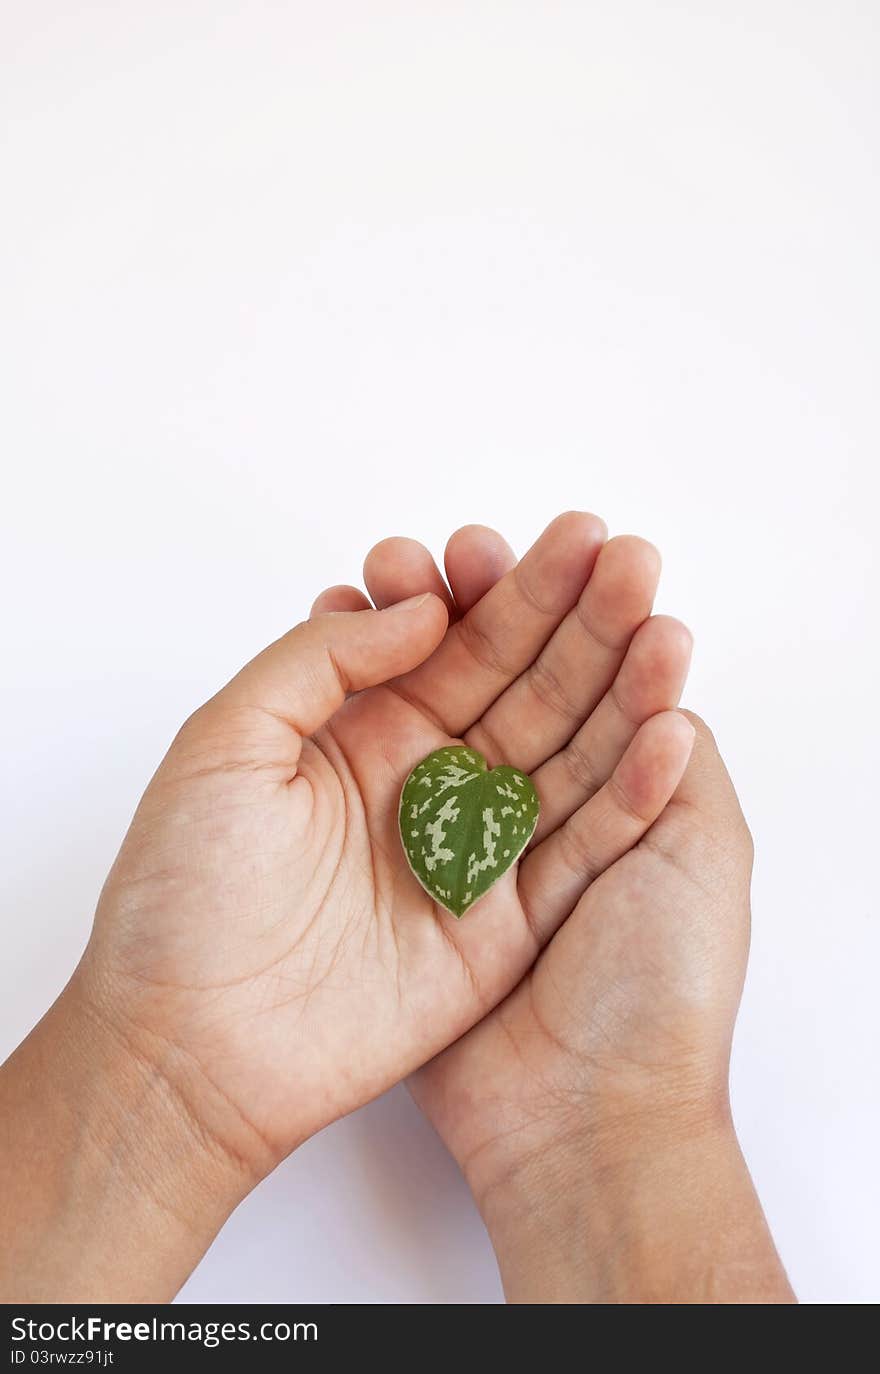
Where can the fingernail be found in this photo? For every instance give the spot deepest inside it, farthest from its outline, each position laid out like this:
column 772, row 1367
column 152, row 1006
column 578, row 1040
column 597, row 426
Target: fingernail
column 411, row 604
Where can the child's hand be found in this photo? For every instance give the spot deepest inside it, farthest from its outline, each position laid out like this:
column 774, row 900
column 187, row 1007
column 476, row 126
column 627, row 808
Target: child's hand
column 627, row 1016
column 261, row 936
column 590, row 1110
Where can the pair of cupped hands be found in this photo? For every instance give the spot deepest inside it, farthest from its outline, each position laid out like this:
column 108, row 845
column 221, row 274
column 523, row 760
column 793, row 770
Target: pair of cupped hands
column 262, row 949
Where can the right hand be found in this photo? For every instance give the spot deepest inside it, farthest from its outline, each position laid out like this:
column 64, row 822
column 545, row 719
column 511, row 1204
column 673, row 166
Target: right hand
column 623, row 1027
column 590, row 1111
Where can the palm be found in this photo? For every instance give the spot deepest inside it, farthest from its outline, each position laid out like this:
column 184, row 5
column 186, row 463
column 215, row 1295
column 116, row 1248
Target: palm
column 269, row 922
column 414, row 978
column 361, row 759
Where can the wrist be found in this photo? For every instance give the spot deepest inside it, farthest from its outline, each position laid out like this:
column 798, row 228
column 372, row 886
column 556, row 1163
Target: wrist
column 118, row 1186
column 647, row 1215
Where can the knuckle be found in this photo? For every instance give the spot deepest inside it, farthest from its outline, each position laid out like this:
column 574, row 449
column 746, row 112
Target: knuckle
column 547, row 687
column 482, row 647
column 533, row 602
column 582, row 768
column 577, row 850
column 625, row 805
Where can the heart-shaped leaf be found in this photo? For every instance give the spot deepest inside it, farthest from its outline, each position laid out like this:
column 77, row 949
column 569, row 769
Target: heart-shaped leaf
column 463, row 827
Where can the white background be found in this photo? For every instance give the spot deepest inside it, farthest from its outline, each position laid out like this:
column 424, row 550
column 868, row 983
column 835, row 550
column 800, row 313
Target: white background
column 279, row 279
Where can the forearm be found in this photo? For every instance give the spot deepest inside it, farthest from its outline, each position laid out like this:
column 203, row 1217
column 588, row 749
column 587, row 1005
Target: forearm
column 110, row 1189
column 674, row 1223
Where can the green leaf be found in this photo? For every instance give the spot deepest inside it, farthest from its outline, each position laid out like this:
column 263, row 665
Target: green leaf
column 463, row 827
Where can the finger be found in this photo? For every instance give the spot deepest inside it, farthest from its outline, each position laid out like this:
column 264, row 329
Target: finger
column 544, row 707
column 706, row 783
column 704, row 817
column 554, row 876
column 396, row 568
column 498, row 638
column 304, row 676
column 476, row 558
column 340, row 599
column 651, row 679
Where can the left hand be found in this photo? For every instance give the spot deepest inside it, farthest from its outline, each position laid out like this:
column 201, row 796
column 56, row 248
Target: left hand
column 263, row 960
column 261, row 935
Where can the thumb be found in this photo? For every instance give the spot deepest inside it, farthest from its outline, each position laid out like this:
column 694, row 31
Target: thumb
column 305, row 676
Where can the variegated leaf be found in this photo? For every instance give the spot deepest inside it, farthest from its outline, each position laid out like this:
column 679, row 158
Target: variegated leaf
column 462, row 826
